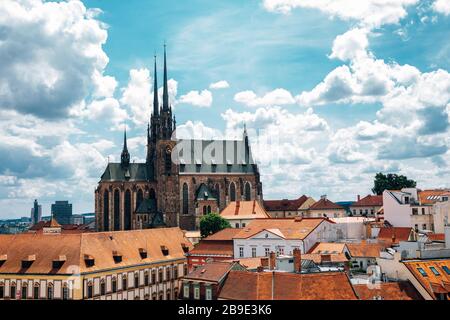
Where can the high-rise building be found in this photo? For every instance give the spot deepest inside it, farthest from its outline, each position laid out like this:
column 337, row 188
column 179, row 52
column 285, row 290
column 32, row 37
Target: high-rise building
column 36, row 212
column 62, row 212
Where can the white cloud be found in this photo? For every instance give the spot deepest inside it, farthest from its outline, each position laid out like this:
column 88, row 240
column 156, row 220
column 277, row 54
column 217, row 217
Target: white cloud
column 137, row 95
column 50, row 53
column 276, row 97
column 104, row 110
column 104, row 86
column 350, row 45
column 201, row 99
column 442, row 6
column 219, row 85
column 372, row 13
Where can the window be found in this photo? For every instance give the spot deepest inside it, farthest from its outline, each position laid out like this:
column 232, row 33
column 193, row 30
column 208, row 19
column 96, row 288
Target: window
column 90, row 292
column 253, row 252
column 168, row 274
column 372, row 212
column 146, row 278
column 127, row 213
column 65, row 293
column 406, row 200
column 175, row 272
column 247, row 192
column 24, row 291
column 423, row 211
column 185, row 270
column 267, row 251
column 186, row 290
column 415, row 211
column 241, row 252
column 237, row 225
column 12, row 291
column 197, row 292
column 232, row 192
column 124, row 283
column 204, row 210
column 102, row 288
column 106, row 211
column 153, row 276
column 281, row 250
column 116, row 210
column 36, row 292
column 185, row 199
column 424, row 226
column 208, row 293
column 2, row 291
column 422, row 272
column 446, row 269
column 136, row 280
column 416, row 227
column 114, row 285
column 243, row 225
column 436, row 273
column 50, row 292
column 160, row 276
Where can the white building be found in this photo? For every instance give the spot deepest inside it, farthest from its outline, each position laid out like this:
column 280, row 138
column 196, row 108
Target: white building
column 441, row 214
column 282, row 236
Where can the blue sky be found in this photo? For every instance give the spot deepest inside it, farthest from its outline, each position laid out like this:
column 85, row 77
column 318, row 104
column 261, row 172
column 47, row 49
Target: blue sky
column 345, row 93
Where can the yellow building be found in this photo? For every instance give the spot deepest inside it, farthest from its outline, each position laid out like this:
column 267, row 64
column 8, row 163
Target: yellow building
column 123, row 265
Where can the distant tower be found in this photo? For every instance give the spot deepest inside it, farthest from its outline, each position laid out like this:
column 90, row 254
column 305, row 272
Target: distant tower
column 125, row 156
column 36, row 212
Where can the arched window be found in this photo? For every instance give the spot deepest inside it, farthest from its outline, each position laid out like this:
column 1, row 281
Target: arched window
column 209, row 209
column 90, row 292
column 116, row 210
column 65, row 292
column 185, row 199
column 217, row 190
column 204, row 210
column 2, row 290
column 232, row 192
column 139, row 198
column 24, row 290
column 153, row 196
column 12, row 291
column 124, row 282
column 247, row 192
column 136, row 280
column 36, row 291
column 50, row 291
column 102, row 287
column 114, row 285
column 106, row 211
column 127, row 210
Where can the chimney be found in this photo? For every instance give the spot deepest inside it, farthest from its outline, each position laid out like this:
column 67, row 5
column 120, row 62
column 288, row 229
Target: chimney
column 260, row 269
column 323, row 197
column 272, row 260
column 359, row 197
column 297, row 260
column 393, row 238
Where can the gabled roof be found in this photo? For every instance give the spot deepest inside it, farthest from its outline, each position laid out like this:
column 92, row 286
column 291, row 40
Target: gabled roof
column 134, row 172
column 244, row 210
column 432, row 196
column 243, row 285
column 226, row 234
column 369, row 201
column 285, row 204
column 394, row 235
column 325, row 204
column 98, row 245
column 147, row 206
column 328, row 248
column 213, row 248
column 318, row 258
column 432, row 283
column 205, row 193
column 402, row 290
column 290, row 228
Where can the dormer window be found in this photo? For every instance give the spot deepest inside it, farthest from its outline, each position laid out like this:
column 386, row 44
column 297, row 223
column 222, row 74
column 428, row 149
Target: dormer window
column 3, row 259
column 89, row 260
column 58, row 262
column 28, row 261
column 117, row 257
column 143, row 253
column 165, row 250
column 185, row 247
column 406, row 200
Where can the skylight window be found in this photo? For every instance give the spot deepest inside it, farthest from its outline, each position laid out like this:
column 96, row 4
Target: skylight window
column 433, row 269
column 446, row 269
column 422, row 272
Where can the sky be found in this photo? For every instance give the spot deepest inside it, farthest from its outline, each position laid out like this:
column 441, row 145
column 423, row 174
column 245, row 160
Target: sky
column 331, row 91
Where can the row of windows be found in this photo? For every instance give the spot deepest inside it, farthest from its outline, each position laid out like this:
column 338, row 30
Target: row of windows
column 434, row 270
column 364, row 212
column 187, row 289
column 424, row 227
column 415, row 211
column 279, row 251
column 23, row 292
column 136, row 283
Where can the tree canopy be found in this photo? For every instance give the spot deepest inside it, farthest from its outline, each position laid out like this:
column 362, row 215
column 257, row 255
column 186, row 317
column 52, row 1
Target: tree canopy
column 391, row 181
column 212, row 223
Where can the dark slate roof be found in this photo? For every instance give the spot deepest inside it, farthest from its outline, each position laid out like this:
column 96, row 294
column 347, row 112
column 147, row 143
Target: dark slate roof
column 205, row 193
column 134, row 172
column 147, row 206
column 233, row 162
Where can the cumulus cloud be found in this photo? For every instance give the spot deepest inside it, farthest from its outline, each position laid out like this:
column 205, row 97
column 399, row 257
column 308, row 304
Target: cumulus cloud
column 442, row 6
column 50, row 53
column 350, row 45
column 373, row 13
column 201, row 99
column 219, row 85
column 137, row 95
column 276, row 97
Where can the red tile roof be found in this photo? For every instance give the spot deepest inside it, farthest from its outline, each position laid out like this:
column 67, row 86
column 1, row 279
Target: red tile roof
column 325, row 204
column 244, row 210
column 223, row 235
column 285, row 204
column 388, row 234
column 402, row 290
column 297, row 228
column 369, row 201
column 432, row 283
column 431, row 196
column 365, row 250
column 213, row 248
column 436, row 237
column 212, row 271
column 242, row 285
column 99, row 245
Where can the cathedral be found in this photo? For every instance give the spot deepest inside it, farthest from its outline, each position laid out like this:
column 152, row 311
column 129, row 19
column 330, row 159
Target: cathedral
column 181, row 179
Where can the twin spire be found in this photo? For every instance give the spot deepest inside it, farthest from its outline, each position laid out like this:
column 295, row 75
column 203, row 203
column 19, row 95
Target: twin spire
column 165, row 106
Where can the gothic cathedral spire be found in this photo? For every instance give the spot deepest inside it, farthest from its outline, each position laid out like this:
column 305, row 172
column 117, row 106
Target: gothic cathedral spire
column 166, row 90
column 125, row 156
column 155, row 94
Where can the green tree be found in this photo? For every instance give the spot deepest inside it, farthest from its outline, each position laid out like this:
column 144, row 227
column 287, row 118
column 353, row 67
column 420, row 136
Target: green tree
column 212, row 223
column 391, row 181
